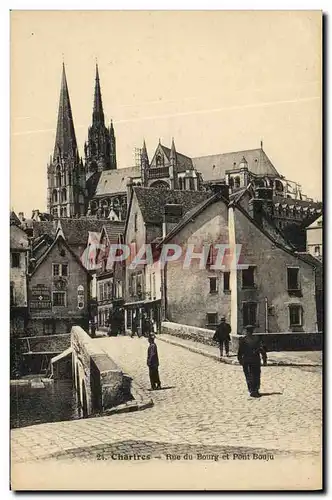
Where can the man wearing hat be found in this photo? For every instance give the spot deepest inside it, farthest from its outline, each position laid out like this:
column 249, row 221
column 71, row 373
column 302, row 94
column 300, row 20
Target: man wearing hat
column 222, row 336
column 153, row 363
column 251, row 349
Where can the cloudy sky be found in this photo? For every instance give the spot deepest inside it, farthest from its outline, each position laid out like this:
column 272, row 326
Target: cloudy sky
column 216, row 81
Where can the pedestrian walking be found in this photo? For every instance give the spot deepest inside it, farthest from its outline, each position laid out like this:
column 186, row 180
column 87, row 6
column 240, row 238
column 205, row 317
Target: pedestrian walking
column 250, row 352
column 153, row 363
column 222, row 336
column 134, row 326
column 147, row 325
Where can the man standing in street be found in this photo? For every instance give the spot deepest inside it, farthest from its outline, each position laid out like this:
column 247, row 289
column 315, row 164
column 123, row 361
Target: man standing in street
column 222, row 336
column 251, row 349
column 153, row 364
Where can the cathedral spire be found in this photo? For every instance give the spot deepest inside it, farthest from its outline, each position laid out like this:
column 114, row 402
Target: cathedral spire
column 98, row 113
column 65, row 141
column 173, row 151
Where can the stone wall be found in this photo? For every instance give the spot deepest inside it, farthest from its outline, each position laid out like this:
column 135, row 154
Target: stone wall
column 99, row 381
column 273, row 341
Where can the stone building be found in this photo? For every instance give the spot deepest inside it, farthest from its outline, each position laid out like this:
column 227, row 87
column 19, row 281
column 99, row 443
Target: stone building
column 148, row 215
column 19, row 254
column 58, row 287
column 314, row 234
column 109, row 279
column 275, row 291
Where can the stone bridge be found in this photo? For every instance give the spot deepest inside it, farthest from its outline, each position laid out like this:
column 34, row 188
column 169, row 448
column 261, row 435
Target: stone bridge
column 99, row 382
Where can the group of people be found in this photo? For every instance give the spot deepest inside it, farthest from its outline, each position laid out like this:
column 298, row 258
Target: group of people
column 250, row 352
column 249, row 355
column 115, row 322
column 146, row 329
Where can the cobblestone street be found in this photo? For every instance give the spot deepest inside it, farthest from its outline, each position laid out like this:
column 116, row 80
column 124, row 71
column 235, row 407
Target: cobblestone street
column 203, row 404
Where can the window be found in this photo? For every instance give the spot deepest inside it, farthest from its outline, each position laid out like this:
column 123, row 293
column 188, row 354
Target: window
column 135, row 223
column 237, row 181
column 293, row 278
column 12, row 294
column 55, row 196
column 249, row 313
column 59, row 299
column 15, row 259
column 295, row 315
column 129, row 318
column 212, row 319
column 248, row 277
column 159, row 161
column 226, row 281
column 317, row 250
column 60, row 269
column 181, row 184
column 213, row 285
column 231, row 182
column 49, row 327
column 64, row 195
column 101, row 292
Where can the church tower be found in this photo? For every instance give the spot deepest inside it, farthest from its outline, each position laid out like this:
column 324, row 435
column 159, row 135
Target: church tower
column 65, row 171
column 100, row 148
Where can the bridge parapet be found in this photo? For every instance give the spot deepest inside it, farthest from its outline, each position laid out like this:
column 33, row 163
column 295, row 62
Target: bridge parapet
column 100, row 383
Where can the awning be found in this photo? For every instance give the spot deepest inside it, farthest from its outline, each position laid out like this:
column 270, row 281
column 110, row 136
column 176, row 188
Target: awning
column 141, row 303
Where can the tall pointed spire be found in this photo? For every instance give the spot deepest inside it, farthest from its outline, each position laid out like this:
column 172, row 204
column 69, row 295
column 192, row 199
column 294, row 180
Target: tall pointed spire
column 65, row 141
column 98, row 113
column 173, row 150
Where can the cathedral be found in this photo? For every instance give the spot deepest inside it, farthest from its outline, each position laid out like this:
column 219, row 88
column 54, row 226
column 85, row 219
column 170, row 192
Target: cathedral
column 94, row 187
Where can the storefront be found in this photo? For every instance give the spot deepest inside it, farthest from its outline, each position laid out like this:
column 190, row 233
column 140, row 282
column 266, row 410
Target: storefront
column 134, row 314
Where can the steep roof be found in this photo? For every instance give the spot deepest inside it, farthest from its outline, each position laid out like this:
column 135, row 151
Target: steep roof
column 113, row 229
column 115, row 181
column 14, row 219
column 183, row 162
column 18, row 238
column 152, row 201
column 213, row 167
column 318, row 223
column 76, row 231
column 65, row 141
column 48, row 251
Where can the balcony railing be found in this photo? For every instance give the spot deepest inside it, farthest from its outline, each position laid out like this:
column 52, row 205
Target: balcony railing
column 158, row 172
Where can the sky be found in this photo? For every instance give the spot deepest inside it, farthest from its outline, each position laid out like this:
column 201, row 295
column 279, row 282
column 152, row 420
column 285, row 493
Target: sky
column 216, row 81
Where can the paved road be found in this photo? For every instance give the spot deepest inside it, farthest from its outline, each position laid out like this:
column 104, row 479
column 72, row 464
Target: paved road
column 203, row 404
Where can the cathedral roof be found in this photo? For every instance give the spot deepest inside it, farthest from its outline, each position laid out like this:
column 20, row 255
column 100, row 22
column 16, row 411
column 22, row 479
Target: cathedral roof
column 152, row 201
column 115, row 181
column 65, row 141
column 183, row 162
column 213, row 167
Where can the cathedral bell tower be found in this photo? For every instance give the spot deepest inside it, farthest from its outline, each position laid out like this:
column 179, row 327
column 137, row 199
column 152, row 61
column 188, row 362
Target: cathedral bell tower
column 100, row 148
column 65, row 171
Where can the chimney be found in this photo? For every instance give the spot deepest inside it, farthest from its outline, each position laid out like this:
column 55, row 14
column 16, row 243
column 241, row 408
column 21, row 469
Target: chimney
column 172, row 215
column 222, row 189
column 130, row 185
column 262, row 204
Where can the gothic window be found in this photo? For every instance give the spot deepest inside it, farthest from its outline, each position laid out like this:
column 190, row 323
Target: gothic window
column 279, row 186
column 54, row 196
column 237, row 181
column 116, row 202
column 64, row 195
column 58, row 176
column 159, row 161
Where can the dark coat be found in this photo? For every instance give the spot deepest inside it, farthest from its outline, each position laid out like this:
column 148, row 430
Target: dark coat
column 222, row 332
column 153, row 360
column 251, row 349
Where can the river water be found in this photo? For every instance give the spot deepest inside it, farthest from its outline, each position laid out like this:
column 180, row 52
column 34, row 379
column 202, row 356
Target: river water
column 55, row 402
